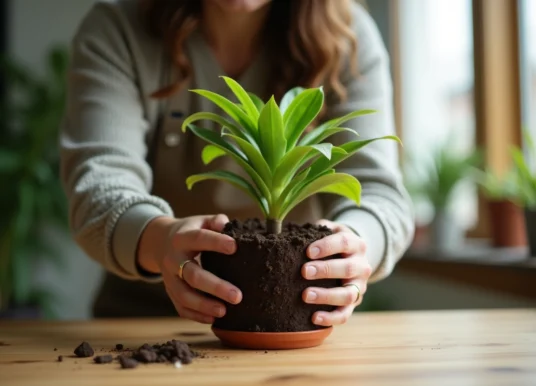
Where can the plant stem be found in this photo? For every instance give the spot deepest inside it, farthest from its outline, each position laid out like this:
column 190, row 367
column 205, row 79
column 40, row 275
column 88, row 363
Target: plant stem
column 273, row 226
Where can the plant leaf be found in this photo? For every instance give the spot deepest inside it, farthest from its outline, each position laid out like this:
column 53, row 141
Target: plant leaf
column 295, row 159
column 257, row 101
column 233, row 179
column 244, row 98
column 254, row 158
column 9, row 161
column 234, row 111
column 336, row 183
column 349, row 148
column 345, row 118
column 210, row 153
column 289, row 97
column 272, row 138
column 321, row 133
column 221, row 121
column 239, row 157
column 300, row 113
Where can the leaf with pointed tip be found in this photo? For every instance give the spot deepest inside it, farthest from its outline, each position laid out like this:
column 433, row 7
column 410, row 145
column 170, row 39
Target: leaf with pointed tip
column 295, row 159
column 249, row 106
column 254, row 158
column 289, row 97
column 239, row 157
column 272, row 138
column 221, row 121
column 233, row 110
column 350, row 148
column 337, row 183
column 320, row 133
column 210, row 153
column 233, row 179
column 257, row 101
column 300, row 113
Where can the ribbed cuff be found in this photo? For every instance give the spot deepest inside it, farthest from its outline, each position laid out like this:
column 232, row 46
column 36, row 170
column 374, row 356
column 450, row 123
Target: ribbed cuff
column 126, row 236
column 369, row 228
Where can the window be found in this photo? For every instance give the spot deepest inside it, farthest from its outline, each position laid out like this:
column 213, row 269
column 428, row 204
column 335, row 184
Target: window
column 437, row 82
column 527, row 20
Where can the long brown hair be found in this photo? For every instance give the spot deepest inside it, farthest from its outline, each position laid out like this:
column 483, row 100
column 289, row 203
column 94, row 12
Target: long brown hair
column 312, row 40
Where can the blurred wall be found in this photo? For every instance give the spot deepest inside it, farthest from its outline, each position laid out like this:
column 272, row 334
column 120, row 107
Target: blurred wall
column 33, row 26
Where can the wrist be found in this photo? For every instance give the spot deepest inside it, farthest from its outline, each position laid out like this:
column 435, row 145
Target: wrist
column 153, row 242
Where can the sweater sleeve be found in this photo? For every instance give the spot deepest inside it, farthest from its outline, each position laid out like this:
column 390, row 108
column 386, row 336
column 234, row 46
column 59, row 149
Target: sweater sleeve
column 103, row 147
column 385, row 217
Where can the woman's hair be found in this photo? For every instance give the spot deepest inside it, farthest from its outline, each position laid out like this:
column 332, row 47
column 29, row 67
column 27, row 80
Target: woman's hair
column 310, row 41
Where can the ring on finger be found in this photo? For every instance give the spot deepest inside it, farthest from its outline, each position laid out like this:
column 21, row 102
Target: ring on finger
column 358, row 295
column 182, row 265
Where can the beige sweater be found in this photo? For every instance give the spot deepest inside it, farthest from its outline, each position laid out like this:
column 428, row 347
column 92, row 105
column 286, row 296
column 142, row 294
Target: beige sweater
column 125, row 160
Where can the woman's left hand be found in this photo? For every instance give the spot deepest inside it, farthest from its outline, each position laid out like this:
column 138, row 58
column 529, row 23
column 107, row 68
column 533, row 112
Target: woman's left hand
column 354, row 269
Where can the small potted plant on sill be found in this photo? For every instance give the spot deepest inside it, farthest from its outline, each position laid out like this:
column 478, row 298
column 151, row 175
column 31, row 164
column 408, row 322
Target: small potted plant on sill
column 284, row 167
column 525, row 177
column 436, row 184
column 507, row 223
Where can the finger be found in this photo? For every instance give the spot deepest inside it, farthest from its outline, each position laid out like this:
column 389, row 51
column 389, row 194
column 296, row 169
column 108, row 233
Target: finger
column 172, row 289
column 207, row 282
column 339, row 316
column 194, row 315
column 193, row 300
column 204, row 240
column 347, row 268
column 342, row 242
column 216, row 223
column 339, row 296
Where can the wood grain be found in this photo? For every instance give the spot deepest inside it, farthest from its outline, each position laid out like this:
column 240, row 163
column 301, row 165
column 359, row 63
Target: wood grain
column 396, row 348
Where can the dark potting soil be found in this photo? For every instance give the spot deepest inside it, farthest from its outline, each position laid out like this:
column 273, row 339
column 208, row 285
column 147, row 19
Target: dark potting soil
column 267, row 269
column 101, row 359
column 84, row 350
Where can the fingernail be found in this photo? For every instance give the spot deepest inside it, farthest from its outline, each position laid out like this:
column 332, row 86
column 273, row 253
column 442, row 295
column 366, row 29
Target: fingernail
column 314, row 252
column 319, row 320
column 233, row 297
column 310, row 272
column 230, row 246
column 311, row 296
column 218, row 311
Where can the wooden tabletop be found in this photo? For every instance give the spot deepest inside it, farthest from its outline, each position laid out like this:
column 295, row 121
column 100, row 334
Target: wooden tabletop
column 397, row 348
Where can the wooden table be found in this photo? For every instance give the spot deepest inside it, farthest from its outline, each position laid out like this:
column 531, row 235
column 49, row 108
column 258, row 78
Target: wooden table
column 397, row 348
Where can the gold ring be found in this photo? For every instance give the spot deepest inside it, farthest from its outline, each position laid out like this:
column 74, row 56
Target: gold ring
column 182, row 265
column 357, row 288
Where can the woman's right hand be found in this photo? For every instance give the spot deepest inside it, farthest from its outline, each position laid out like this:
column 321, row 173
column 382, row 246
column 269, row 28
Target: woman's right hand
column 168, row 242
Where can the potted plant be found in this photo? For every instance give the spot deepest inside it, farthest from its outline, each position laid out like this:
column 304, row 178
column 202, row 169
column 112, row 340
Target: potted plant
column 525, row 177
column 31, row 197
column 436, row 185
column 507, row 224
column 284, row 167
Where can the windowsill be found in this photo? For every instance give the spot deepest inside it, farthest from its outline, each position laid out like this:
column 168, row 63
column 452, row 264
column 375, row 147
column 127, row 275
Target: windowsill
column 478, row 252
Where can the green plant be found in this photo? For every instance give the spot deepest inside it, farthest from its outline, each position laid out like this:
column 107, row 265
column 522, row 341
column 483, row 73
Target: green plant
column 441, row 176
column 525, row 175
column 495, row 187
column 31, row 196
column 266, row 140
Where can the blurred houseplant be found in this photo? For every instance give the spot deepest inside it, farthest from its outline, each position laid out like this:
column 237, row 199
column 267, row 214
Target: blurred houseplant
column 525, row 177
column 435, row 182
column 507, row 224
column 31, row 198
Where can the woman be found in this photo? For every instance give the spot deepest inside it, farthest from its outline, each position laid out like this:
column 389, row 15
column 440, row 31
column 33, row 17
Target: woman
column 125, row 160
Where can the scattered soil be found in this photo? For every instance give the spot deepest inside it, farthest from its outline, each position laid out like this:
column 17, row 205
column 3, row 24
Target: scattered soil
column 127, row 363
column 119, row 347
column 101, row 359
column 191, row 334
column 4, row 344
column 60, row 358
column 267, row 269
column 84, row 350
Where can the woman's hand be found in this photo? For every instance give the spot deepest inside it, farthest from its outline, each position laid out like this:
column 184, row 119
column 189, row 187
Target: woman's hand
column 183, row 239
column 353, row 269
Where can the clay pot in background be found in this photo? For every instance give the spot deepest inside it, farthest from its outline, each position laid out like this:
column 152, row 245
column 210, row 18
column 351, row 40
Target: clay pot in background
column 530, row 221
column 507, row 224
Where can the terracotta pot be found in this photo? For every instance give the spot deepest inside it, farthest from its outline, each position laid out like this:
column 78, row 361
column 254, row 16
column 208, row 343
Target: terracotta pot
column 530, row 221
column 507, row 224
column 272, row 340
